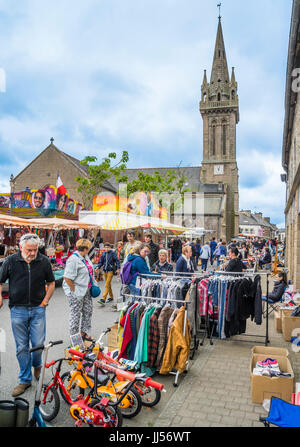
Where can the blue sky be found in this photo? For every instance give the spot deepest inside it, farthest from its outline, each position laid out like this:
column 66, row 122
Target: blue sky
column 104, row 75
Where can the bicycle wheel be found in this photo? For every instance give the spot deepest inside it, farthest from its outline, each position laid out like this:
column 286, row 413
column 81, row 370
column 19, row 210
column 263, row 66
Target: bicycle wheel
column 50, row 408
column 135, row 404
column 75, row 390
column 116, row 418
column 149, row 396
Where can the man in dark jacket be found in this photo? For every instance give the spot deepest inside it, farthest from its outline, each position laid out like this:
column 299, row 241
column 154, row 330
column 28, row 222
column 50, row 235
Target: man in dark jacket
column 154, row 249
column 110, row 263
column 28, row 272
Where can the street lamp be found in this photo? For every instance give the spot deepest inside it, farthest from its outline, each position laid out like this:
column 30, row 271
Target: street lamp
column 12, row 190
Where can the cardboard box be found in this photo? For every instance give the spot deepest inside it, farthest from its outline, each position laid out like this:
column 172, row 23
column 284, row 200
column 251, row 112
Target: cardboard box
column 289, row 325
column 112, row 338
column 270, row 352
column 277, row 321
column 263, row 387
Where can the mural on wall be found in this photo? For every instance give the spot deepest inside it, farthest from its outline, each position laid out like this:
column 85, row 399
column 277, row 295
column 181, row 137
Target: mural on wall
column 141, row 203
column 44, row 202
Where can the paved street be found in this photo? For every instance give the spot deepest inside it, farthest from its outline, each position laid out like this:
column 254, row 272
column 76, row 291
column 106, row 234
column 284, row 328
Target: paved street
column 215, row 392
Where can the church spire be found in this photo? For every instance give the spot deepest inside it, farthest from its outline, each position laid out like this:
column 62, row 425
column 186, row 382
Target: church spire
column 219, row 73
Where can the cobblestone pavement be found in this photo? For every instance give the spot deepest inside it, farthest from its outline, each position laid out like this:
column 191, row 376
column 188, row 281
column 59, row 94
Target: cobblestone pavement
column 216, row 391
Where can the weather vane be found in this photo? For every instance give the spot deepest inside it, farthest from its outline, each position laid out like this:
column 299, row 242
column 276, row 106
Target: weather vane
column 219, row 6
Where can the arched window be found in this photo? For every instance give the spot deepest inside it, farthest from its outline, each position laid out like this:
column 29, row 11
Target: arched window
column 213, row 139
column 233, row 94
column 219, row 97
column 204, row 97
column 224, row 136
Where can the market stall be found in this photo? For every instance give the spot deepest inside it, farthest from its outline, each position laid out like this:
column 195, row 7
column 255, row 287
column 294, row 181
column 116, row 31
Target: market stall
column 48, row 229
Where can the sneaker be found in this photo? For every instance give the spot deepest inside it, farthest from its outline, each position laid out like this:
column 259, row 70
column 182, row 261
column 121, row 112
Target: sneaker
column 267, row 362
column 101, row 302
column 20, row 389
column 109, row 300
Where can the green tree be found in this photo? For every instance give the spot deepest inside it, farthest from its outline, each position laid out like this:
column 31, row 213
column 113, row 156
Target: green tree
column 98, row 173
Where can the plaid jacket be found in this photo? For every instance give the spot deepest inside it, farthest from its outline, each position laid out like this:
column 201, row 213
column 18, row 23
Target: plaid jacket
column 163, row 321
column 153, row 338
column 203, row 297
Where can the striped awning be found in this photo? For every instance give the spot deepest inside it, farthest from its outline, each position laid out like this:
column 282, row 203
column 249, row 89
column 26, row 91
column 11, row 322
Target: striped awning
column 124, row 221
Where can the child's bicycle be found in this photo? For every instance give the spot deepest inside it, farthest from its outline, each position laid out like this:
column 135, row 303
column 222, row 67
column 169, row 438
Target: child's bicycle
column 38, row 419
column 86, row 411
column 149, row 396
column 74, row 383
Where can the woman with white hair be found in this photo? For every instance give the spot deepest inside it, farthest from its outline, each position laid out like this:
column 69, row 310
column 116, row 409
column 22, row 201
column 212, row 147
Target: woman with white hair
column 77, row 286
column 162, row 265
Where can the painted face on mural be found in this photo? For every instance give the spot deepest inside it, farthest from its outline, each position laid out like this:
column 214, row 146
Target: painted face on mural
column 38, row 199
column 61, row 202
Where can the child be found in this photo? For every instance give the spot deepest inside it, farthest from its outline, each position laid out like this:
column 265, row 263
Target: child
column 109, row 262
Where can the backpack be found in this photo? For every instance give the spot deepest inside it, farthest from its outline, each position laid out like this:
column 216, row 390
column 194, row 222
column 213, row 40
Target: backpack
column 125, row 274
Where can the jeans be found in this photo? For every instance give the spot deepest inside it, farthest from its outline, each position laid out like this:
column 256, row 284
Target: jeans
column 28, row 325
column 204, row 264
column 134, row 290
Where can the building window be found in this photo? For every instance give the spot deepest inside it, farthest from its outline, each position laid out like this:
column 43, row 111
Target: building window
column 213, row 140
column 224, row 136
column 219, row 97
column 233, row 94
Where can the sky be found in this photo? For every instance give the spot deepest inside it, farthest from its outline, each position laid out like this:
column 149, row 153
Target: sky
column 111, row 75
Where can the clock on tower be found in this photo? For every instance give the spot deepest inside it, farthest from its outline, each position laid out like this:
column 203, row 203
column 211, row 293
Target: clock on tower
column 219, row 169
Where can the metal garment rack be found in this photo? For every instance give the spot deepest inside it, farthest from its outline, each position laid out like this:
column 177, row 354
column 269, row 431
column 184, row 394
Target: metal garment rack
column 266, row 336
column 150, row 298
column 176, row 275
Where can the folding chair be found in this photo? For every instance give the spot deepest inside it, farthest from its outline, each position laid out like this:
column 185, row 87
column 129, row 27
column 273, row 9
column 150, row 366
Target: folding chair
column 282, row 414
column 272, row 304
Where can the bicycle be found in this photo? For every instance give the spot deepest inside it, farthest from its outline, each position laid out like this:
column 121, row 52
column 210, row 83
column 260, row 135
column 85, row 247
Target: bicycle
column 37, row 419
column 149, row 396
column 79, row 379
column 85, row 412
column 105, row 415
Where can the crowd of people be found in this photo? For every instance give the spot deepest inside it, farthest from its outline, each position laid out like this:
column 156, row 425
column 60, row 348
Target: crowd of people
column 30, row 270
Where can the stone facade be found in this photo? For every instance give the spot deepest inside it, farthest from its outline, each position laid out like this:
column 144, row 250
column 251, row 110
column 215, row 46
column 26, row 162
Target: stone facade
column 219, row 108
column 44, row 168
column 291, row 152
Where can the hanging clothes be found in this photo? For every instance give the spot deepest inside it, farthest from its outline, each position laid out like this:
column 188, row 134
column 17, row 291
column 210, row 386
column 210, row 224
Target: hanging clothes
column 178, row 346
column 162, row 322
column 153, row 338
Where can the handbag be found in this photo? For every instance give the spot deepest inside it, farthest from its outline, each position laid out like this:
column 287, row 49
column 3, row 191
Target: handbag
column 95, row 290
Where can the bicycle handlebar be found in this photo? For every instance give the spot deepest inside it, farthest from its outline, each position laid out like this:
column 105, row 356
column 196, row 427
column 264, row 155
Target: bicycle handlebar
column 153, row 384
column 51, row 343
column 37, row 348
column 126, row 375
column 77, row 353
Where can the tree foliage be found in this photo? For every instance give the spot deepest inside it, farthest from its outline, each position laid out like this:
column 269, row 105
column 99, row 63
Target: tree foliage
column 98, row 173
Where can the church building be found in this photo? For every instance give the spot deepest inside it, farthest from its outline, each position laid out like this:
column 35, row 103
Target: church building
column 217, row 179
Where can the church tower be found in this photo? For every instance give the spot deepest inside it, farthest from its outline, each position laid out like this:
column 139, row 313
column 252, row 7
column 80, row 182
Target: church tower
column 219, row 108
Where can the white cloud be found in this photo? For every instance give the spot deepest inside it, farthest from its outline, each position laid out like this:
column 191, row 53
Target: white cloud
column 127, row 75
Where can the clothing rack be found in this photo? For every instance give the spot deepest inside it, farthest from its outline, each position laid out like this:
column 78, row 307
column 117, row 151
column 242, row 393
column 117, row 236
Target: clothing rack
column 150, row 298
column 266, row 336
column 175, row 275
